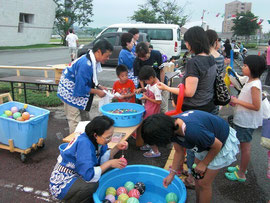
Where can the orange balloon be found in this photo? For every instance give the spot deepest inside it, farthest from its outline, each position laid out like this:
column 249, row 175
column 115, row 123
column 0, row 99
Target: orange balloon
column 25, row 115
column 20, row 119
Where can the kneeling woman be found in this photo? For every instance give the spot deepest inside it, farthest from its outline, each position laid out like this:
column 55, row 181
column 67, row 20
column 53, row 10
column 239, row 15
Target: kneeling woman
column 209, row 136
column 79, row 167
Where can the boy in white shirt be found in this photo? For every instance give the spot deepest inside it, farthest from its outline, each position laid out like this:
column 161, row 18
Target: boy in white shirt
column 72, row 41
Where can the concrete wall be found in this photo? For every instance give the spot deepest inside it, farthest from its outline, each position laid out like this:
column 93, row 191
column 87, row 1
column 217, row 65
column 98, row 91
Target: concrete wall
column 36, row 32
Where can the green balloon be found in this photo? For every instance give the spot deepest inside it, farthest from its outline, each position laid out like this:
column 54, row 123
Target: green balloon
column 129, row 185
column 111, row 191
column 123, row 198
column 17, row 115
column 4, row 115
column 171, row 197
column 133, row 200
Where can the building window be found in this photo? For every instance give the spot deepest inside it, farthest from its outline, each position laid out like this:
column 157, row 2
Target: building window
column 25, row 18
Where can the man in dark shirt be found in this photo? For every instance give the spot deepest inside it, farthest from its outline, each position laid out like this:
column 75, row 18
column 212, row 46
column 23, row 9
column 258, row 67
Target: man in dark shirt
column 152, row 58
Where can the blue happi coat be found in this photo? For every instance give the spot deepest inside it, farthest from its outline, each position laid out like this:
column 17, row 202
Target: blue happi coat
column 76, row 83
column 82, row 160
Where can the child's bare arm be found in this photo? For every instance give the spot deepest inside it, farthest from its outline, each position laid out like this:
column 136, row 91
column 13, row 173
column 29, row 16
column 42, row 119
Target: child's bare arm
column 128, row 95
column 144, row 97
column 256, row 100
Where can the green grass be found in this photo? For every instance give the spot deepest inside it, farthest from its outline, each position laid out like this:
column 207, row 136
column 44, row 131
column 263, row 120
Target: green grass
column 34, row 97
column 30, row 46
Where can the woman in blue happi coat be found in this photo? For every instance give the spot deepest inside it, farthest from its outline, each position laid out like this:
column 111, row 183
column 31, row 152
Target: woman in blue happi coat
column 79, row 166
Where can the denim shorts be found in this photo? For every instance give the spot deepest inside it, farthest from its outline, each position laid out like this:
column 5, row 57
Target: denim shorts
column 243, row 134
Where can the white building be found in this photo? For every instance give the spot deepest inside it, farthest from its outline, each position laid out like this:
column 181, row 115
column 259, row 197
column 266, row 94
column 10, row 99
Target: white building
column 26, row 22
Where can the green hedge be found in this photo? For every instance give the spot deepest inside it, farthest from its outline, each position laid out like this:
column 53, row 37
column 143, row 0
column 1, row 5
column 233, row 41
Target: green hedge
column 250, row 46
column 34, row 97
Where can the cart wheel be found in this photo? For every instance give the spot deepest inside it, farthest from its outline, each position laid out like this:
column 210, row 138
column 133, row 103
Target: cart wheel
column 23, row 157
column 41, row 146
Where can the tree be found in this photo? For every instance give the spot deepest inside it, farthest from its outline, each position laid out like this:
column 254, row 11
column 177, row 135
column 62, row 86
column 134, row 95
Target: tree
column 245, row 24
column 69, row 12
column 158, row 11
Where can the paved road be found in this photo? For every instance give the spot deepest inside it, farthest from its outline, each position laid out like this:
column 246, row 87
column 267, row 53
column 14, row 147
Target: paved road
column 44, row 58
column 29, row 182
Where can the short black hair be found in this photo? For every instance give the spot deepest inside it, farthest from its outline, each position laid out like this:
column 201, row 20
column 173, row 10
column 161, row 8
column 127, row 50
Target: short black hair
column 103, row 45
column 70, row 30
column 172, row 58
column 98, row 126
column 142, row 49
column 151, row 46
column 197, row 39
column 256, row 65
column 227, row 41
column 212, row 37
column 121, row 68
column 146, row 72
column 126, row 38
column 133, row 31
column 158, row 129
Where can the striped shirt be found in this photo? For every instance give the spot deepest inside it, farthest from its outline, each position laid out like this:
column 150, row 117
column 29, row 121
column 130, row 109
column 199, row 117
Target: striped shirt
column 220, row 64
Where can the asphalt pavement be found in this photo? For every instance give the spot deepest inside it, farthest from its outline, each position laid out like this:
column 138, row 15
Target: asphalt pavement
column 28, row 182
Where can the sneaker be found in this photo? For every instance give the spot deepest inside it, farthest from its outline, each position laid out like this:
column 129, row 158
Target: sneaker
column 151, row 154
column 145, row 147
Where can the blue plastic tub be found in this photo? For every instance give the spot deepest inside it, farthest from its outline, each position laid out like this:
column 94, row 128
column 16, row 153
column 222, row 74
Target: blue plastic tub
column 151, row 176
column 62, row 146
column 23, row 133
column 126, row 119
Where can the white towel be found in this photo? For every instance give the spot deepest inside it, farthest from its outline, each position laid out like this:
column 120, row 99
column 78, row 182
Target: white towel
column 96, row 67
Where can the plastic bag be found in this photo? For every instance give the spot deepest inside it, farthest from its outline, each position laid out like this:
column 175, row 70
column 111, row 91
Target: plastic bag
column 108, row 98
column 266, row 108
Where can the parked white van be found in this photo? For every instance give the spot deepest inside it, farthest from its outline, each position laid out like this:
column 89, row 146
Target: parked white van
column 164, row 37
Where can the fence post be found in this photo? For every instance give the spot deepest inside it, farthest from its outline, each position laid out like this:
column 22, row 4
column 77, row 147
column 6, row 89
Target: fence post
column 46, row 76
column 19, row 84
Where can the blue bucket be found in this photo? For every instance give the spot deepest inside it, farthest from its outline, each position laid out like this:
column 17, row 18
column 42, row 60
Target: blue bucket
column 62, row 146
column 151, row 176
column 126, row 119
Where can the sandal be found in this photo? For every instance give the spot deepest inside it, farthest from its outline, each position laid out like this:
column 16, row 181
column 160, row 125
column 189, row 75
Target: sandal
column 236, row 168
column 145, row 147
column 234, row 177
column 189, row 185
column 151, row 154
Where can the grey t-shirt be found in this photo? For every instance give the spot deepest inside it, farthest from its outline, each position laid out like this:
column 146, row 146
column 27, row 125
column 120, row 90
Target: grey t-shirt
column 205, row 69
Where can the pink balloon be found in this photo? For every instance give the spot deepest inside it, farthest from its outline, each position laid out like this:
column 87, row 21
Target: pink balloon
column 121, row 190
column 122, row 158
column 134, row 193
column 14, row 109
